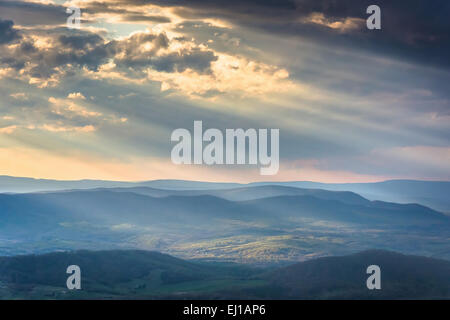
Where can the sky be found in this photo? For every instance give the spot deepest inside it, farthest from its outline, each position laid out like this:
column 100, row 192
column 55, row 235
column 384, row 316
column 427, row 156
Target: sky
column 101, row 101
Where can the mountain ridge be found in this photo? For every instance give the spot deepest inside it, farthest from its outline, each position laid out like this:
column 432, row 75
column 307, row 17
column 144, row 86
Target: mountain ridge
column 265, row 230
column 433, row 194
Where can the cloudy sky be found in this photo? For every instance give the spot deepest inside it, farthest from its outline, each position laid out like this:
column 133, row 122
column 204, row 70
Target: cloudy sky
column 101, row 101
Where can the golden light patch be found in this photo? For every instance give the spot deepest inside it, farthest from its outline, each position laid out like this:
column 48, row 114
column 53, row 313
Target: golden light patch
column 54, row 128
column 229, row 74
column 8, row 129
column 341, row 25
column 70, row 108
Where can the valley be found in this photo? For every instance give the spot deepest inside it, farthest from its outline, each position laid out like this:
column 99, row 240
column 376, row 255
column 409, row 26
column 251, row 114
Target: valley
column 257, row 226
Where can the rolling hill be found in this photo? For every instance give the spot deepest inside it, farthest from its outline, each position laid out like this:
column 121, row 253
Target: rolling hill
column 433, row 194
column 402, row 277
column 264, row 230
column 249, row 193
column 112, row 274
column 46, row 211
column 429, row 193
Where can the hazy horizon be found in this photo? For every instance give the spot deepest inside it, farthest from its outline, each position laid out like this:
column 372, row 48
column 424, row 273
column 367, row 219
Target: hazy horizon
column 217, row 181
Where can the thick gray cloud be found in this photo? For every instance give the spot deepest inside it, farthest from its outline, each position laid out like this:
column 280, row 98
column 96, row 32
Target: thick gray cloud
column 374, row 104
column 132, row 17
column 81, row 41
column 77, row 49
column 129, row 53
column 125, row 14
column 411, row 29
column 80, row 49
column 26, row 13
column 414, row 30
column 7, row 32
column 196, row 59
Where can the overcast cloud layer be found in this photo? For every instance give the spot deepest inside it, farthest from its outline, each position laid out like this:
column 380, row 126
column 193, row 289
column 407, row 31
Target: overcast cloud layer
column 351, row 104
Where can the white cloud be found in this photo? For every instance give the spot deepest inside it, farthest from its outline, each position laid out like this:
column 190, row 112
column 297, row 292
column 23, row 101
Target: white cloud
column 76, row 95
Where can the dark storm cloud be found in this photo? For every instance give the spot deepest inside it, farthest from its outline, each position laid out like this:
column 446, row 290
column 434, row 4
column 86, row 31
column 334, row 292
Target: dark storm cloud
column 412, row 29
column 7, row 32
column 125, row 14
column 26, row 13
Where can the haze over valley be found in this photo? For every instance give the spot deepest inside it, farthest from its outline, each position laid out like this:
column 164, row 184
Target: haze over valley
column 256, row 224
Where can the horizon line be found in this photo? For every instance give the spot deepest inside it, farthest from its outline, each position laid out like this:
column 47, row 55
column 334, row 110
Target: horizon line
column 218, row 182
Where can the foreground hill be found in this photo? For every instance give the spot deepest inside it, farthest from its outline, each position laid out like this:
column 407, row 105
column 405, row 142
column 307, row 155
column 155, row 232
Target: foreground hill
column 264, row 230
column 141, row 274
column 116, row 273
column 403, row 277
